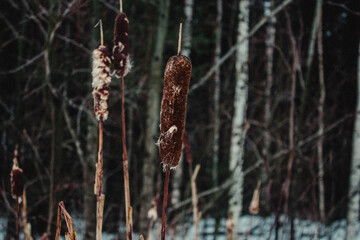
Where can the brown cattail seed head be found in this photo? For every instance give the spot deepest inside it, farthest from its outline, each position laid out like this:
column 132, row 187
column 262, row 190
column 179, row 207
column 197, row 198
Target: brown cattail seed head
column 16, row 178
column 121, row 45
column 173, row 109
column 254, row 205
column 101, row 81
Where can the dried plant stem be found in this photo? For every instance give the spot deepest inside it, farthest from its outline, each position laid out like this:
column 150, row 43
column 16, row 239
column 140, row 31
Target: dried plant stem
column 71, row 234
column 121, row 6
column 101, row 34
column 179, row 42
column 17, row 218
column 99, row 215
column 100, row 198
column 196, row 213
column 128, row 208
column 58, row 224
column 166, row 188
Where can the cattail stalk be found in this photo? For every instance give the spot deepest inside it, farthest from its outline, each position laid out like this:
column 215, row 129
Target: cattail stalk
column 122, row 67
column 172, row 117
column 165, row 200
column 101, row 82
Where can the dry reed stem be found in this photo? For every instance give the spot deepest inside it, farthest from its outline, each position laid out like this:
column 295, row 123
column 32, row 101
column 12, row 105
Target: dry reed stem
column 122, row 66
column 100, row 198
column 99, row 216
column 71, row 234
column 166, row 189
column 26, row 225
column 179, row 41
column 196, row 213
column 128, row 208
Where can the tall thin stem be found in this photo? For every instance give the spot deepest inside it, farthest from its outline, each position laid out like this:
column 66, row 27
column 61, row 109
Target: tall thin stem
column 17, row 218
column 166, row 188
column 125, row 166
column 179, row 42
column 100, row 198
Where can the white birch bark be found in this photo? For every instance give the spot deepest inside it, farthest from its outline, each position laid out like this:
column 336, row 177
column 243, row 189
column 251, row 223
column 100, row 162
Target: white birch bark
column 354, row 195
column 187, row 32
column 217, row 81
column 238, row 122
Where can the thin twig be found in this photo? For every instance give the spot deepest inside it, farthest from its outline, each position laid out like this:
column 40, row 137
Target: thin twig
column 121, row 6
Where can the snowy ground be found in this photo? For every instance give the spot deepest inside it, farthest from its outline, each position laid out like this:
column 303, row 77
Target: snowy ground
column 262, row 228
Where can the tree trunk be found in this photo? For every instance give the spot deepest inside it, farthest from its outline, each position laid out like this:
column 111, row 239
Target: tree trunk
column 88, row 179
column 354, row 195
column 320, row 142
column 269, row 42
column 238, row 122
column 217, row 82
column 153, row 114
column 187, row 32
column 310, row 56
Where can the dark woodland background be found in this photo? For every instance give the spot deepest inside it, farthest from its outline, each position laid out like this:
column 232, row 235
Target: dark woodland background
column 47, row 108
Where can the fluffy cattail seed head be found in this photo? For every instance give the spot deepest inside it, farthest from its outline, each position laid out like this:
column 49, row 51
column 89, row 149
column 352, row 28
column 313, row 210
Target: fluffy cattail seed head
column 101, row 81
column 173, row 109
column 254, row 205
column 16, row 178
column 121, row 45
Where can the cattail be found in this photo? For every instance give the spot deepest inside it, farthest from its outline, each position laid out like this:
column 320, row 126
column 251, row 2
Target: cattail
column 173, row 109
column 121, row 45
column 101, row 81
column 16, row 178
column 254, row 205
column 122, row 67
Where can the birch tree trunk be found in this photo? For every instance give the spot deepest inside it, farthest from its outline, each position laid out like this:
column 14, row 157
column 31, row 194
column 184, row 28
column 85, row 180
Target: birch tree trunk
column 321, row 119
column 269, row 43
column 153, row 114
column 309, row 60
column 217, row 82
column 238, row 122
column 354, row 195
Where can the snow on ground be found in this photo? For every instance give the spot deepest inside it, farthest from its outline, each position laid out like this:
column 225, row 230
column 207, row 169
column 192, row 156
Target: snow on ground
column 261, row 228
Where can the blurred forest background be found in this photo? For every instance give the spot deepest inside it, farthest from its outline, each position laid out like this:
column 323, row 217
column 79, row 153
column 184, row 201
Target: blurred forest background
column 272, row 98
